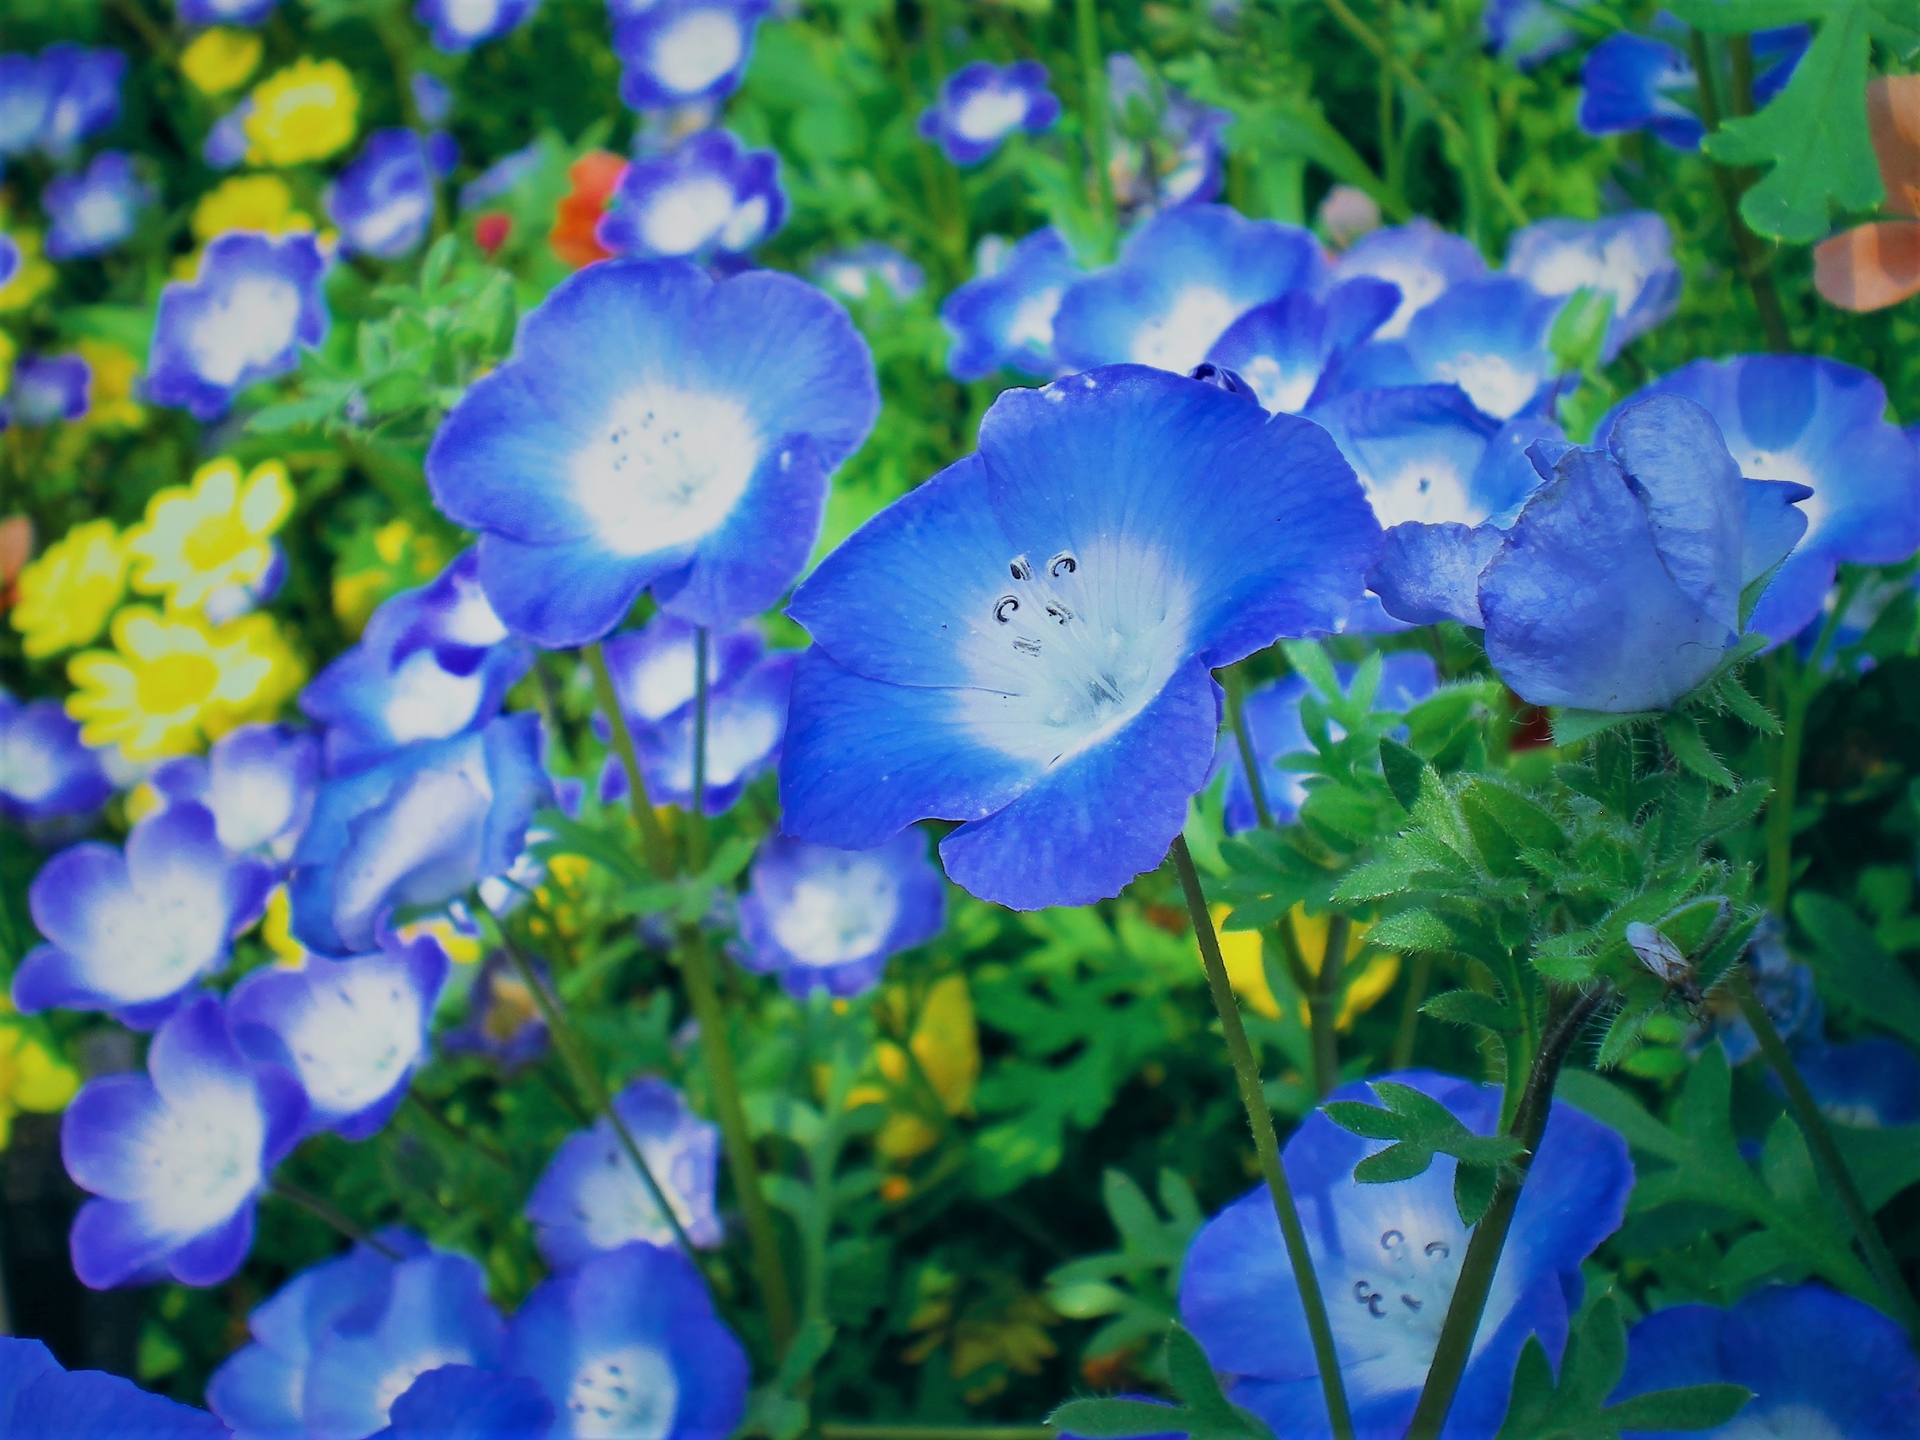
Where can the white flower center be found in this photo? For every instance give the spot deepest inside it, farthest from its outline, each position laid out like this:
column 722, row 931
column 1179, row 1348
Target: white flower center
column 472, row 620
column 1033, row 319
column 1783, row 1422
column 100, row 215
column 396, row 1382
column 687, row 215
column 626, row 1394
column 1428, row 491
column 426, row 702
column 1419, row 288
column 666, row 467
column 1179, row 338
column 200, row 1158
column 391, row 220
column 28, row 772
column 149, row 942
column 745, row 226
column 614, row 1206
column 697, row 50
column 1281, row 392
column 357, row 1036
column 1496, row 385
column 471, row 17
column 989, row 114
column 843, row 910
column 253, row 806
column 248, row 326
column 1789, row 465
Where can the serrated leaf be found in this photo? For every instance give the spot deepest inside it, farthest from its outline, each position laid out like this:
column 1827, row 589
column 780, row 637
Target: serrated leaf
column 1692, row 1407
column 1403, row 768
column 1570, row 727
column 1742, row 702
column 1310, row 662
column 1414, row 931
column 1395, row 1163
column 1473, row 1187
column 1690, row 748
column 1368, row 1121
column 1470, row 1007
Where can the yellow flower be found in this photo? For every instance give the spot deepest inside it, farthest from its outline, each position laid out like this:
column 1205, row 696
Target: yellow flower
column 946, row 1044
column 1246, row 971
column 218, row 533
column 248, row 202
column 380, row 564
column 6, row 361
column 305, row 112
column 32, row 1076
column 276, row 929
column 33, row 277
column 461, row 948
column 170, row 682
column 1362, row 987
column 220, row 60
column 68, row 593
column 114, row 371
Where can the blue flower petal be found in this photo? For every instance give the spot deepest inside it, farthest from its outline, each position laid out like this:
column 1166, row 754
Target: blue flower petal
column 458, row 1402
column 1005, row 314
column 1626, row 84
column 1420, row 258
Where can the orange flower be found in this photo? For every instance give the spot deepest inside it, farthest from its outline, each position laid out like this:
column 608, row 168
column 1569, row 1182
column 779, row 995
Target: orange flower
column 595, row 175
column 16, row 548
column 1876, row 265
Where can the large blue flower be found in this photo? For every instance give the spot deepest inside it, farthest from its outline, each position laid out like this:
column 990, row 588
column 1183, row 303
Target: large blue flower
column 706, row 197
column 1420, row 258
column 654, row 427
column 680, row 51
column 628, row 1344
column 1629, row 257
column 41, row 1401
column 1282, row 348
column 1005, row 314
column 1819, row 423
column 45, row 770
column 259, row 783
column 177, row 1157
column 983, row 103
column 243, row 319
column 592, row 1198
column 1387, row 1258
column 129, row 933
column 826, row 919
column 1182, row 278
column 383, row 201
column 459, row 25
column 458, row 1402
column 95, row 210
column 1820, row 1365
column 416, row 830
column 432, row 663
column 1025, row 641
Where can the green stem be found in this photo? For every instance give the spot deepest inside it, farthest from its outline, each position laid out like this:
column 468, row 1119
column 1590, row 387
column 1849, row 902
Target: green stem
column 1246, row 1070
column 1826, row 1152
column 1800, row 689
column 332, row 1218
column 1754, row 256
column 1323, row 1006
column 1455, row 1346
column 697, row 816
column 1094, row 110
column 1418, row 979
column 652, row 837
column 1243, row 738
column 457, row 1132
column 135, row 14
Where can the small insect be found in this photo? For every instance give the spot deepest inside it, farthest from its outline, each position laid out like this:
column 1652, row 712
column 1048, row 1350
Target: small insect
column 1663, row 958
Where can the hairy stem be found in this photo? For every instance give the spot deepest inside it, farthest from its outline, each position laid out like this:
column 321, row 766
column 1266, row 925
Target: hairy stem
column 332, row 1218
column 1246, row 1070
column 1754, row 256
column 1418, row 978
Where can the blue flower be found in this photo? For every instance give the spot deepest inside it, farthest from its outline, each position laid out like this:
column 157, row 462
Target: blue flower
column 352, row 1031
column 984, row 103
column 176, row 1157
column 1528, row 32
column 1282, row 348
column 226, row 143
column 432, row 663
column 243, row 319
column 1419, row 257
column 1179, row 161
column 344, row 1339
column 1869, row 1084
column 1273, row 725
column 503, row 1020
column 1025, row 641
column 501, row 176
column 826, row 919
column 1819, row 1364
column 224, row 12
column 432, row 99
column 45, row 771
column 94, row 211
column 24, row 94
column 1182, row 278
column 1005, row 314
column 1387, row 1258
column 9, row 253
column 259, row 783
column 1629, row 257
column 706, row 197
column 654, row 428
column 129, row 933
column 458, row 1402
column 1819, row 423
column 592, row 1198
column 40, row 1401
column 82, row 89
column 746, row 723
column 383, row 201
column 459, row 25
column 418, row 829
column 653, row 668
column 47, row 388
column 1629, row 82
column 628, row 1344
column 870, row 271
column 678, row 51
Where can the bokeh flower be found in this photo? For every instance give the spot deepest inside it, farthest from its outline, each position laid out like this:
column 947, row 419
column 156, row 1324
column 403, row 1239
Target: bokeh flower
column 220, row 60
column 258, row 781
column 213, row 533
column 592, row 180
column 708, row 196
column 983, row 103
column 869, row 271
column 96, row 210
column 680, row 51
column 383, row 201
column 111, row 402
column 45, row 770
column 1005, row 314
column 32, row 274
column 67, row 595
column 34, row 1078
column 746, row 724
column 47, row 389
column 459, row 25
column 1871, row 1084
column 302, row 113
column 248, row 202
column 944, row 1048
column 224, row 12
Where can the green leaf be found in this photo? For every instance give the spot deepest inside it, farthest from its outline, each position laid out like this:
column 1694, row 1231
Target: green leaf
column 1853, row 969
column 1690, row 748
column 1470, row 1007
column 1570, row 727
column 1579, row 333
column 1119, row 1419
column 1692, row 1407
column 1311, row 663
column 1403, row 768
column 1473, row 1187
column 1204, row 1413
column 1414, row 931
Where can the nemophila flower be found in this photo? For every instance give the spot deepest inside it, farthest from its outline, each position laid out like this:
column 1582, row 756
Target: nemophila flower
column 503, row 1020
column 1167, row 148
column 131, row 932
column 343, row 1340
column 41, row 1401
column 984, row 103
column 1819, row 1364
column 9, row 267
column 64, row 598
column 176, row 1157
column 34, row 1079
column 82, row 90
column 383, row 202
column 870, row 271
column 708, row 196
column 302, row 113
column 352, row 1031
column 217, row 531
column 1282, row 348
column 654, row 428
column 432, row 98
column 96, row 210
column 500, row 178
column 1527, row 32
column 243, row 319
column 826, row 919
column 458, row 1402
column 45, row 770
column 1387, row 1258
column 1273, row 724
column 459, row 25
column 24, row 93
column 1870, row 1084
column 171, row 681
column 220, row 60
column 1004, row 315
column 746, row 723
column 418, row 829
column 1004, row 643
column 226, row 142
column 433, row 663
column 1630, row 82
column 47, row 389
column 33, row 274
column 592, row 1199
column 1629, row 257
column 1819, row 423
column 1420, row 258
column 653, row 668
column 1182, row 278
column 677, row 51
column 628, row 1344
column 224, row 12
column 258, row 782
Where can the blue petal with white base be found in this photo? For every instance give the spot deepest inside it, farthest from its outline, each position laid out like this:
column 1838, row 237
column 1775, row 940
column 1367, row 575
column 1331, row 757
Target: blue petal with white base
column 417, row 830
column 1387, row 1258
column 82, row 90
column 1005, row 314
column 1420, row 258
column 653, row 669
column 1821, row 1366
column 982, row 104
column 1282, row 348
column 224, row 12
column 1001, row 644
column 1527, row 32
column 176, row 1158
column 383, row 201
column 746, row 723
column 244, row 318
column 1629, row 257
column 629, row 1345
column 45, row 770
column 259, row 783
column 96, row 210
column 869, row 271
column 1182, row 278
column 826, row 919
column 677, row 52
column 129, row 933
column 707, row 197
column 592, row 1198
column 41, row 1401
column 1628, row 83
column 654, row 427
column 459, row 25
column 46, row 389
column 25, row 92
column 458, row 1402
column 1869, row 1084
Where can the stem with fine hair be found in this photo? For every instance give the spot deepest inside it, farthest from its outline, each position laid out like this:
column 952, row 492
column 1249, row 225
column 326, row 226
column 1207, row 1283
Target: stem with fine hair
column 1418, row 978
column 1236, row 689
column 1826, row 1152
column 1470, row 1291
column 653, row 838
column 1246, row 1070
column 697, row 816
column 332, row 1218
